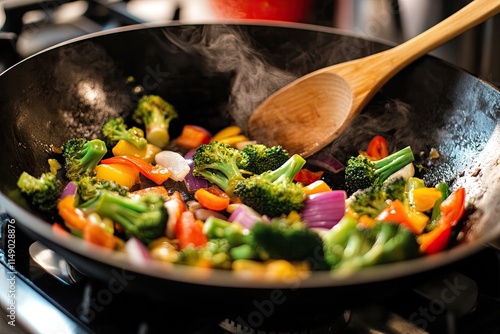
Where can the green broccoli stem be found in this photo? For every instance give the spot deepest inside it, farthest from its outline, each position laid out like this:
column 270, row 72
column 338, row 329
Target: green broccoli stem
column 28, row 183
column 224, row 175
column 216, row 228
column 107, row 198
column 120, row 209
column 92, row 152
column 389, row 165
column 373, row 256
column 287, row 171
column 243, row 252
column 157, row 133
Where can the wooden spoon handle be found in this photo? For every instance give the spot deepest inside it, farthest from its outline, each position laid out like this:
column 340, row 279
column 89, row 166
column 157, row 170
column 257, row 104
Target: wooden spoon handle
column 374, row 71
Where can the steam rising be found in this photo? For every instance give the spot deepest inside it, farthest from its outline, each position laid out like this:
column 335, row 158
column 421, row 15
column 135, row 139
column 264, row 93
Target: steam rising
column 228, row 50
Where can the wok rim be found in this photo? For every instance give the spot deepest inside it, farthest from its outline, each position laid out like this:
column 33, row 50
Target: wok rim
column 227, row 278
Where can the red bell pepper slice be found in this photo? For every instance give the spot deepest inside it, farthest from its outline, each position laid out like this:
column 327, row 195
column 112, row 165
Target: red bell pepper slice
column 157, row 173
column 452, row 209
column 377, row 148
column 212, row 198
column 175, row 207
column 435, row 240
column 306, row 176
column 189, row 231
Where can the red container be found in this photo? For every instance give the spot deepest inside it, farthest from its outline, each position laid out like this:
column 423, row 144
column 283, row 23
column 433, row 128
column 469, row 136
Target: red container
column 280, row 10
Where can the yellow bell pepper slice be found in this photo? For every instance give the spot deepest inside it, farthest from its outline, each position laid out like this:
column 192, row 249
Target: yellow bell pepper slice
column 234, row 140
column 316, row 187
column 124, row 175
column 227, row 132
column 425, row 198
column 148, row 153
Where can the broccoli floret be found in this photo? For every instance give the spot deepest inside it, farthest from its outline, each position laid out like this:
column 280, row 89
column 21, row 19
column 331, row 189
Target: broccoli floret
column 115, row 129
column 348, row 247
column 214, row 254
column 372, row 200
column 361, row 173
column 282, row 239
column 156, row 114
column 43, row 192
column 218, row 163
column 216, row 228
column 90, row 187
column 142, row 217
column 274, row 193
column 262, row 158
column 82, row 156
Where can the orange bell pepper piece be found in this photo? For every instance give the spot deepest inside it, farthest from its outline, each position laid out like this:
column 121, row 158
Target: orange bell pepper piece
column 317, row 187
column 396, row 212
column 193, row 136
column 72, row 216
column 95, row 234
column 212, row 198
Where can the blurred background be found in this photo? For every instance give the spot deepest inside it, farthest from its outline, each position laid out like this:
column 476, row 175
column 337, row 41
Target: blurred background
column 28, row 26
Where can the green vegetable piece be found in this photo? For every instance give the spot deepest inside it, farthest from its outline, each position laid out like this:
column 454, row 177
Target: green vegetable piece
column 273, row 193
column 373, row 200
column 216, row 228
column 218, row 163
column 156, row 114
column 243, row 252
column 361, row 173
column 142, row 217
column 281, row 239
column 115, row 129
column 216, row 252
column 262, row 158
column 82, row 156
column 89, row 187
column 349, row 247
column 43, row 192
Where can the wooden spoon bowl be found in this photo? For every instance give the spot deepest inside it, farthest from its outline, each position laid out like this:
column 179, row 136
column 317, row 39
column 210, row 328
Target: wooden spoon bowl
column 309, row 113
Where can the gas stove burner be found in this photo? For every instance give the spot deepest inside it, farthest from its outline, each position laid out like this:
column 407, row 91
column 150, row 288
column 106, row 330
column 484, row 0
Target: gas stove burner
column 288, row 324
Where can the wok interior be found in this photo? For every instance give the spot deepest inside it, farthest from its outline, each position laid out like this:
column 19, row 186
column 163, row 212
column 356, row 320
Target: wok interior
column 216, row 75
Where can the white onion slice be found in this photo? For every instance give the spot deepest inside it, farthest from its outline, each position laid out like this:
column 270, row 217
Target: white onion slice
column 137, row 252
column 175, row 163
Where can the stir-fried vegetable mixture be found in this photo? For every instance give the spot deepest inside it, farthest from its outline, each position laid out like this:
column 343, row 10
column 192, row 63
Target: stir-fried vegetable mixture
column 227, row 202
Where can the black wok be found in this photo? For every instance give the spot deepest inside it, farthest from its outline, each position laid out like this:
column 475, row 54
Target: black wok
column 215, row 75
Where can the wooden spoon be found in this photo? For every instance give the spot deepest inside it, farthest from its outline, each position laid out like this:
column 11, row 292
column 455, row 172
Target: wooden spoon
column 307, row 114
